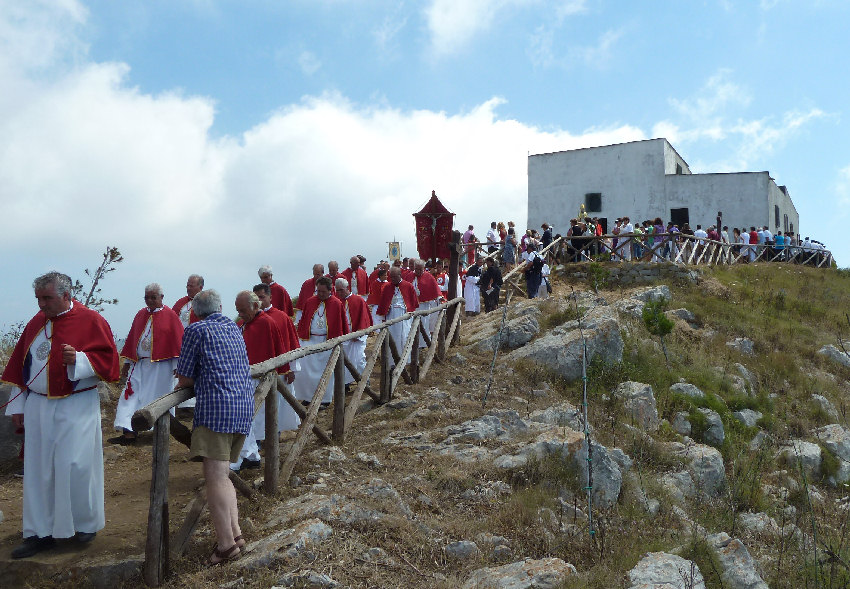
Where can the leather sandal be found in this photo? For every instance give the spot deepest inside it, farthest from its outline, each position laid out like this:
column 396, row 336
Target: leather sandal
column 240, row 542
column 231, row 553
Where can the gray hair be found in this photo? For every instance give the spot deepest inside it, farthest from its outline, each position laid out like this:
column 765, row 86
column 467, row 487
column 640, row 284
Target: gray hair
column 418, row 262
column 341, row 283
column 62, row 282
column 154, row 287
column 197, row 278
column 265, row 269
column 206, row 303
column 251, row 296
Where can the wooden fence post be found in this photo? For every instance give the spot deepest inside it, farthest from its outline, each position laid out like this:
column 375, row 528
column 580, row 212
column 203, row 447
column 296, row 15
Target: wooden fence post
column 338, row 427
column 386, row 371
column 156, row 546
column 441, row 337
column 413, row 368
column 271, row 446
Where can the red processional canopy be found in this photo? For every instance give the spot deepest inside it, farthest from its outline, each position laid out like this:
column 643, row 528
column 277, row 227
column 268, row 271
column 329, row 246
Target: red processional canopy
column 433, row 229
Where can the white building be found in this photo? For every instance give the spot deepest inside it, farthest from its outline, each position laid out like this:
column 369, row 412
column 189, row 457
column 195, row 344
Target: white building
column 649, row 179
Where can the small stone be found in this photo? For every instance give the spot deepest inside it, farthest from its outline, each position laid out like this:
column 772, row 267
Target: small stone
column 687, row 389
column 743, row 345
column 463, row 550
column 375, row 555
column 502, row 552
column 458, row 360
column 457, row 379
column 747, row 416
column 715, row 433
column 369, row 459
column 295, row 481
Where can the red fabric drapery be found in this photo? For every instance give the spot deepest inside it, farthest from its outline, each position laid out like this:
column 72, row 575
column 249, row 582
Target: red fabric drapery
column 433, row 229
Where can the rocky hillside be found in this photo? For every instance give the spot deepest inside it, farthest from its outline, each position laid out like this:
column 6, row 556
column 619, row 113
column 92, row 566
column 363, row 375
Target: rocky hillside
column 724, row 465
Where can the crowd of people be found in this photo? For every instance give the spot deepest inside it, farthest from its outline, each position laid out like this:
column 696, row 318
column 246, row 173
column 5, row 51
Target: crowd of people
column 67, row 349
column 648, row 240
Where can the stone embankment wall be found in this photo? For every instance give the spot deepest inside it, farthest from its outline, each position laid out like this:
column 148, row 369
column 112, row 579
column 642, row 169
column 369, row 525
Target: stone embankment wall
column 626, row 273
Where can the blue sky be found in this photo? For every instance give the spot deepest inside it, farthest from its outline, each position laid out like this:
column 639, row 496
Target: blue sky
column 212, row 137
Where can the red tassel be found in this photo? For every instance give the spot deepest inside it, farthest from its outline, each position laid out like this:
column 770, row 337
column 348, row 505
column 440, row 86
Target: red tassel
column 128, row 392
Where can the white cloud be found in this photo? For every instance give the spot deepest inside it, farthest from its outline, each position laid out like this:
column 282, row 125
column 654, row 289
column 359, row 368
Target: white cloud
column 454, row 23
column 309, row 63
column 716, row 113
column 86, row 160
column 385, row 34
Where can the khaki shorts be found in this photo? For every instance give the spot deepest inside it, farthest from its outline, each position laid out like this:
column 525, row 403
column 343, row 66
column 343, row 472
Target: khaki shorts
column 216, row 446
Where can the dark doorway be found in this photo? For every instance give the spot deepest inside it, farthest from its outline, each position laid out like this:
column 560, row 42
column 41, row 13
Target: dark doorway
column 604, row 222
column 679, row 216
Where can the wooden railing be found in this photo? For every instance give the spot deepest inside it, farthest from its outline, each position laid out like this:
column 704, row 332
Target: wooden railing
column 385, row 351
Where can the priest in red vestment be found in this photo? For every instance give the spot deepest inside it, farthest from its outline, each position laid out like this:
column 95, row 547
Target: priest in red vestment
column 263, row 341
column 308, row 289
column 64, row 351
column 428, row 293
column 358, row 316
column 183, row 306
column 357, row 278
column 322, row 319
column 150, row 357
column 398, row 298
column 376, row 287
column 333, row 274
column 280, row 297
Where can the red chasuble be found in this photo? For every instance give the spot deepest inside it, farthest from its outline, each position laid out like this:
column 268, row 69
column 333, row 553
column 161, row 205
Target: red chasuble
column 333, row 282
column 308, row 289
column 428, row 288
column 287, row 330
column 263, row 340
column 280, row 298
column 337, row 325
column 166, row 335
column 408, row 275
column 361, row 278
column 357, row 311
column 375, row 290
column 411, row 301
column 81, row 328
column 182, row 303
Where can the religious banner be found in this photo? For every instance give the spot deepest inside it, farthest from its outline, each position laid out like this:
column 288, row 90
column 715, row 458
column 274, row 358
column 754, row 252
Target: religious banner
column 433, row 229
column 395, row 251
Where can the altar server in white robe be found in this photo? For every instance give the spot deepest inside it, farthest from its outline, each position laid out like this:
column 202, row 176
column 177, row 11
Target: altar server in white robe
column 150, row 358
column 322, row 319
column 359, row 318
column 55, row 367
column 397, row 298
column 471, row 292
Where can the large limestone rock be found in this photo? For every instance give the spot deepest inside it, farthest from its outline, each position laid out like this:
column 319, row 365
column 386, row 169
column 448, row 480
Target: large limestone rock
column 807, row 453
column 639, row 401
column 284, row 544
column 837, row 440
column 748, row 417
column 714, row 434
column 653, row 293
column 546, row 573
column 659, row 570
column 835, row 354
column 607, row 476
column 705, row 465
column 687, row 389
column 823, row 404
column 562, row 350
column 498, row 425
column 517, row 333
column 743, row 345
column 738, row 567
column 562, row 414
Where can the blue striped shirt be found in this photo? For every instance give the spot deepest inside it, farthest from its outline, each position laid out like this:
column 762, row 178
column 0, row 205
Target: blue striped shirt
column 213, row 354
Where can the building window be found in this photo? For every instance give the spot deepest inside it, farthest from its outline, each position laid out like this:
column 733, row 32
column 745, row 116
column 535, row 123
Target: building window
column 593, row 202
column 785, row 223
column 678, row 169
column 679, row 216
column 791, row 227
column 776, row 215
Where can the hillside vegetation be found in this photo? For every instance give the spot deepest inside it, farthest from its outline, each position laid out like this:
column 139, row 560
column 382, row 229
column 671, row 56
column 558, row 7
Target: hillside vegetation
column 724, row 465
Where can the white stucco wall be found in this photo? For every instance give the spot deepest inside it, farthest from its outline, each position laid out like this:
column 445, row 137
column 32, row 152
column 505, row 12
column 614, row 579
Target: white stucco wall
column 639, row 179
column 630, row 178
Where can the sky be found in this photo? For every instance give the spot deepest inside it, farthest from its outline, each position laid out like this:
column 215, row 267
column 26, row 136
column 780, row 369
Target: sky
column 211, row 137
